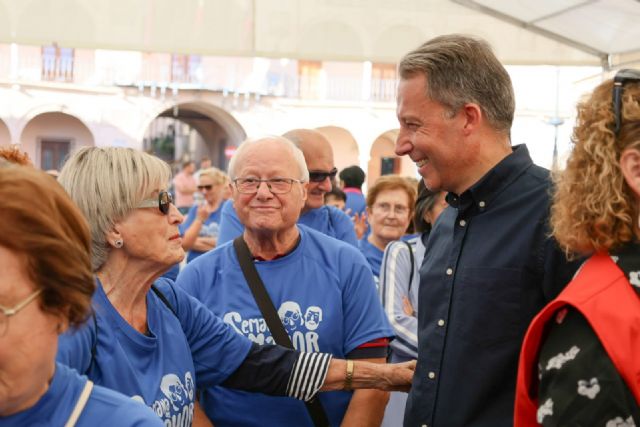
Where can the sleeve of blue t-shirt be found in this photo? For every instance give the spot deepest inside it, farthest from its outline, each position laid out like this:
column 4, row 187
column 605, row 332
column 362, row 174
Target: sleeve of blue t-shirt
column 191, row 216
column 230, row 225
column 364, row 318
column 343, row 226
column 217, row 351
column 75, row 346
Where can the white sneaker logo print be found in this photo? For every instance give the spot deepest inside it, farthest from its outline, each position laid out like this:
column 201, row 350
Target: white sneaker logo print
column 634, row 278
column 620, row 422
column 544, row 410
column 558, row 361
column 589, row 388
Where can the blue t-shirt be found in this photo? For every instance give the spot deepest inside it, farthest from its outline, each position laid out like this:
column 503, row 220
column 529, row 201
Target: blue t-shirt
column 210, row 228
column 325, row 219
column 356, row 202
column 103, row 408
column 373, row 256
column 325, row 295
column 161, row 368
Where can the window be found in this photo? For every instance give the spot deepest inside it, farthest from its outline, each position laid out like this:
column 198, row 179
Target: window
column 57, row 63
column 186, row 68
column 53, row 153
column 309, row 79
column 384, row 79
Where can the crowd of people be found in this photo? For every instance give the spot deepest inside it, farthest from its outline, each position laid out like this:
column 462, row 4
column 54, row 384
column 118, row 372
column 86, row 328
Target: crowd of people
column 279, row 292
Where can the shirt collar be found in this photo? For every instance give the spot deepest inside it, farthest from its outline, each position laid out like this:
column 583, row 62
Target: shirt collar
column 483, row 192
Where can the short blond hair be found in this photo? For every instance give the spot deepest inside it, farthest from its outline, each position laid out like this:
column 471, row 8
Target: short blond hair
column 107, row 183
column 216, row 175
column 594, row 209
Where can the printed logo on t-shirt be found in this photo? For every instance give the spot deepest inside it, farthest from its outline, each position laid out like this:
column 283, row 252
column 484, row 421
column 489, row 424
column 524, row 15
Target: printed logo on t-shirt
column 301, row 326
column 176, row 407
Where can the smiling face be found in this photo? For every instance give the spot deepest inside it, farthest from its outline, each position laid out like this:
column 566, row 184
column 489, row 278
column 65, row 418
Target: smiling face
column 431, row 137
column 389, row 217
column 151, row 237
column 30, row 340
column 265, row 211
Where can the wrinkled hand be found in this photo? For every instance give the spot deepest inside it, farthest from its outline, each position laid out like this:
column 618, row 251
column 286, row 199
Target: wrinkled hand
column 399, row 375
column 360, row 224
column 407, row 307
column 203, row 212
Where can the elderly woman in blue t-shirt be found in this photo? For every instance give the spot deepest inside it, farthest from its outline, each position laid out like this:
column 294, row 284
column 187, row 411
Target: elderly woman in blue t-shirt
column 150, row 340
column 45, row 286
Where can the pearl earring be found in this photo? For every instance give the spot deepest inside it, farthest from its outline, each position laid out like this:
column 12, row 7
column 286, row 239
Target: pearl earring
column 118, row 243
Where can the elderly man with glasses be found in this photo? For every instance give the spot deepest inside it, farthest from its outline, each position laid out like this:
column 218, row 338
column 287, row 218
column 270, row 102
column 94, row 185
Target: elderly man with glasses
column 315, row 214
column 322, row 289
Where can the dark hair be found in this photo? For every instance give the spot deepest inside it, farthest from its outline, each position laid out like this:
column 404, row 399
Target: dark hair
column 39, row 222
column 187, row 163
column 337, row 193
column 425, row 201
column 353, row 176
column 461, row 69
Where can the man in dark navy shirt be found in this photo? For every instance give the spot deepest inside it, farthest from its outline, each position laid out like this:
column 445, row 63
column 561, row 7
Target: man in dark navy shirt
column 491, row 265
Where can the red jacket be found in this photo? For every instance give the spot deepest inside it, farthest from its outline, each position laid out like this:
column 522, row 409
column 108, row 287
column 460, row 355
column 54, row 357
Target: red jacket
column 602, row 293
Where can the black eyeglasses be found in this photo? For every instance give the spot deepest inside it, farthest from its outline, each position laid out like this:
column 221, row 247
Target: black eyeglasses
column 163, row 202
column 275, row 185
column 320, row 176
column 205, row 187
column 622, row 77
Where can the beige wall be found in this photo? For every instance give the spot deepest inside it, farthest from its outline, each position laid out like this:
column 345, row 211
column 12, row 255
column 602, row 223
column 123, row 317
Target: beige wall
column 56, row 126
column 344, row 145
column 384, row 146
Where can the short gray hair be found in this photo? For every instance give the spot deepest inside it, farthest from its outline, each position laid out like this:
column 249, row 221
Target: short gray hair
column 461, row 69
column 295, row 151
column 107, row 183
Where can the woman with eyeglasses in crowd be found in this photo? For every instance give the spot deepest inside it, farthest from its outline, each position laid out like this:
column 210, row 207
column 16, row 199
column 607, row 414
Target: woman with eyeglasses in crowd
column 399, row 283
column 45, row 287
column 201, row 225
column 148, row 338
column 580, row 361
column 390, row 204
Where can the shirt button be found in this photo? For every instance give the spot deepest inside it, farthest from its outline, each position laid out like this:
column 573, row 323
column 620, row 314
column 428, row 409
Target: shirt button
column 431, row 375
column 440, row 322
column 462, row 223
column 449, row 271
column 481, row 203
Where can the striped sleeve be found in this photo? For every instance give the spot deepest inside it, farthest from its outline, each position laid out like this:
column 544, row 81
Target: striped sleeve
column 308, row 375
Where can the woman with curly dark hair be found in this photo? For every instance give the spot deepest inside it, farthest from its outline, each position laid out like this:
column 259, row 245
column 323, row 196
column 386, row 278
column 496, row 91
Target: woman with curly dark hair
column 580, row 361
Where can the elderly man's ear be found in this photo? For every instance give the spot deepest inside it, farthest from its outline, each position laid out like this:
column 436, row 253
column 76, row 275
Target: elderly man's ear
column 630, row 166
column 305, row 186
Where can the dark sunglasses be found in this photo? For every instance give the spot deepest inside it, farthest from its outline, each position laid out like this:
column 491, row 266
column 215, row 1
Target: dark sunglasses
column 317, row 176
column 163, row 202
column 622, row 77
column 205, row 187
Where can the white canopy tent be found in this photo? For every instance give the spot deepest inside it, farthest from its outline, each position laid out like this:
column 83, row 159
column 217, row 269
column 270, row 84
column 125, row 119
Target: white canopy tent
column 606, row 28
column 556, row 32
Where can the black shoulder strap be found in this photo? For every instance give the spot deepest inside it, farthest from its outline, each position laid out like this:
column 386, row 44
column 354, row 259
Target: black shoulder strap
column 412, row 258
column 270, row 315
column 94, row 344
column 163, row 299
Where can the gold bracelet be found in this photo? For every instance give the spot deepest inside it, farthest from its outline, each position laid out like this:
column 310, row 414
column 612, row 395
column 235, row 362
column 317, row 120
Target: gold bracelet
column 349, row 377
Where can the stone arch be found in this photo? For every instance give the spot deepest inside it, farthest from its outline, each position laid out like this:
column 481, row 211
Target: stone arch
column 50, row 136
column 217, row 130
column 5, row 134
column 344, row 145
column 383, row 147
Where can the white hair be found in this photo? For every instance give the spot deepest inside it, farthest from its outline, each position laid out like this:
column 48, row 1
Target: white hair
column 295, row 151
column 107, row 183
